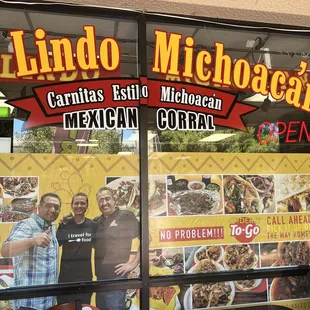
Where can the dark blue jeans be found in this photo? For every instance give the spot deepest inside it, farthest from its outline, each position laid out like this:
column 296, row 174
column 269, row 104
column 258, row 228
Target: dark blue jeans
column 114, row 300
column 26, row 308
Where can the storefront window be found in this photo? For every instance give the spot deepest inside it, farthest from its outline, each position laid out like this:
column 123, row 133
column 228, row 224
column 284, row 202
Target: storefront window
column 216, row 112
column 228, row 204
column 69, row 195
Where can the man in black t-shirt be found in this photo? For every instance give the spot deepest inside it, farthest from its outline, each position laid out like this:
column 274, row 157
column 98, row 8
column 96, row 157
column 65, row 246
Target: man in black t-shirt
column 115, row 231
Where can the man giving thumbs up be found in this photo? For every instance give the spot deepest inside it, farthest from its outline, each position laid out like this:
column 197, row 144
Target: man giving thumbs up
column 34, row 248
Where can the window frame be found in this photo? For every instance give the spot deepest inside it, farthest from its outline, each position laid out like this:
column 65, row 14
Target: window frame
column 145, row 281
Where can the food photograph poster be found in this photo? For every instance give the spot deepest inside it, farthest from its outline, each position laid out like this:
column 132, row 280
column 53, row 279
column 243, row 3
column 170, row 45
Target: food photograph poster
column 207, row 213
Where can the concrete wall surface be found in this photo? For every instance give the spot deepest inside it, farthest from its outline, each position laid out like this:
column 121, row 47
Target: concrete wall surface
column 286, row 12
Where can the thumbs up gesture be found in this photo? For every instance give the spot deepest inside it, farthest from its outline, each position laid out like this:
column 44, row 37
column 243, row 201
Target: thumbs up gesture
column 42, row 240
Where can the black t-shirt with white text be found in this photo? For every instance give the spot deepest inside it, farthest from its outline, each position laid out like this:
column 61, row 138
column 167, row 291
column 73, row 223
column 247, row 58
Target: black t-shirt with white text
column 113, row 241
column 76, row 241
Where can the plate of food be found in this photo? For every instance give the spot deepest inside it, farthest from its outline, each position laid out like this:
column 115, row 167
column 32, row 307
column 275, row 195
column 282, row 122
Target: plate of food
column 248, row 285
column 169, row 258
column 181, row 185
column 198, row 202
column 206, row 265
column 289, row 288
column 239, row 256
column 13, row 216
column 127, row 194
column 240, row 196
column 213, row 252
column 293, row 253
column 196, row 185
column 25, row 205
column 134, row 274
column 209, row 295
column 17, row 209
column 160, row 297
column 26, row 187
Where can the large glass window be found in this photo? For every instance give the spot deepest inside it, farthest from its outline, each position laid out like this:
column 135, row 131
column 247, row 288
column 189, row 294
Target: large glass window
column 70, row 201
column 229, row 195
column 215, row 192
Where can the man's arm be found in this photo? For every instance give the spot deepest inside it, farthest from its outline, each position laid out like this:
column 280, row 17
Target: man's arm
column 60, row 234
column 123, row 269
column 14, row 248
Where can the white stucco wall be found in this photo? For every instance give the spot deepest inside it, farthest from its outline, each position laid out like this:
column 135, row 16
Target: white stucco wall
column 286, row 12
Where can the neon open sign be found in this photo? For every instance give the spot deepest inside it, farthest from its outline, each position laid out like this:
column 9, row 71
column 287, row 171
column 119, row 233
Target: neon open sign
column 291, row 132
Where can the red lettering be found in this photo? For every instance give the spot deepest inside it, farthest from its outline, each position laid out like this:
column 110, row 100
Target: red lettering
column 294, row 131
column 303, row 129
column 259, row 133
column 280, row 132
column 291, row 131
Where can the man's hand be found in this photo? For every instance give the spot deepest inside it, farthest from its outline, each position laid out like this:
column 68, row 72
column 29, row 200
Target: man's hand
column 43, row 240
column 66, row 218
column 123, row 269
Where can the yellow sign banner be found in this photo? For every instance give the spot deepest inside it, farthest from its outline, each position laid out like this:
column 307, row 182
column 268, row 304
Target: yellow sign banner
column 186, row 231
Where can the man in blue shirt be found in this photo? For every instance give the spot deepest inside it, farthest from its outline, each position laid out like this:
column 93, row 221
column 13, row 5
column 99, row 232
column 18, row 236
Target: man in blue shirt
column 34, row 248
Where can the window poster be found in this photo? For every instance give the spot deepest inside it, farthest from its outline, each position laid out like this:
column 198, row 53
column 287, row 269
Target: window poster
column 25, row 178
column 232, row 212
column 215, row 213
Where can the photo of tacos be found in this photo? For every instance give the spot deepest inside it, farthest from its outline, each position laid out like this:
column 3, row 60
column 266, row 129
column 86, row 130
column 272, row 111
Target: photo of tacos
column 164, row 294
column 225, row 257
column 195, row 203
column 157, row 195
column 212, row 294
column 240, row 256
column 127, row 193
column 212, row 252
column 206, row 265
column 247, row 285
column 223, row 294
column 290, row 184
column 248, row 194
column 293, row 193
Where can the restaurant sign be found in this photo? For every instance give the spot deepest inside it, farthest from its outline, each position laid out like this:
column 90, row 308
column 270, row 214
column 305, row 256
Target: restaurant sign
column 113, row 103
